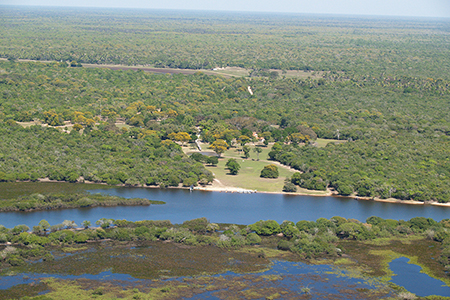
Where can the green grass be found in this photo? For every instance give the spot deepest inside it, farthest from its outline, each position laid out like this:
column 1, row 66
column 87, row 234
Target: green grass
column 121, row 125
column 324, row 142
column 248, row 176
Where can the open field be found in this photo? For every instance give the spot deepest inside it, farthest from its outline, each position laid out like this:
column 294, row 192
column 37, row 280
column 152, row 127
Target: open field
column 248, row 176
column 324, row 142
column 226, row 72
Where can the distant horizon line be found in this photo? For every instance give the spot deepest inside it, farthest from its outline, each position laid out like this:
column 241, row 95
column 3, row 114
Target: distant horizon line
column 231, row 11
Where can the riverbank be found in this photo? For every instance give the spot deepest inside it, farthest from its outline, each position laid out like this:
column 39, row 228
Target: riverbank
column 219, row 186
column 223, row 189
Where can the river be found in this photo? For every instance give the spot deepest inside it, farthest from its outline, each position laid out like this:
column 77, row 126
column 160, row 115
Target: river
column 182, row 205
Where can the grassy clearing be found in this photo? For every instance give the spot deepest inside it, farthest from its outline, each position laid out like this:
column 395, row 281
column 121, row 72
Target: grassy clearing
column 232, row 71
column 67, row 125
column 324, row 142
column 241, row 72
column 248, row 176
column 122, row 125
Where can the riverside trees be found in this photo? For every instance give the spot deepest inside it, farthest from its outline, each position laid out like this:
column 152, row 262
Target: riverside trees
column 102, row 156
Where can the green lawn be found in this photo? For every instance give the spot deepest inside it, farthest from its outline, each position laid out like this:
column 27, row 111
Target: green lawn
column 324, row 142
column 248, row 176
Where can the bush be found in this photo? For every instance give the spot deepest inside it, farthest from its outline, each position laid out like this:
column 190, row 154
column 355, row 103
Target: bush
column 177, row 235
column 212, row 160
column 199, row 225
column 81, row 238
column 233, row 166
column 121, row 234
column 296, row 178
column 198, row 157
column 289, row 229
column 289, row 187
column 268, row 227
column 253, row 238
column 15, row 260
column 284, row 245
column 306, row 226
column 344, row 189
column 441, row 234
column 270, row 171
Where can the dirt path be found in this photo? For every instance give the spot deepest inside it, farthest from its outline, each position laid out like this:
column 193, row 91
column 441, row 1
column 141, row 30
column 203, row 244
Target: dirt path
column 139, row 67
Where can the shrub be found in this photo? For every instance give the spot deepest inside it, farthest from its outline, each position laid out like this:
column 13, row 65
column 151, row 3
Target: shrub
column 233, row 166
column 212, row 160
column 190, row 181
column 81, row 238
column 289, row 187
column 296, row 178
column 289, row 229
column 199, row 225
column 121, row 234
column 253, row 238
column 268, row 227
column 198, row 157
column 441, row 234
column 270, row 171
column 205, row 240
column 306, row 226
column 176, row 235
column 284, row 245
column 15, row 260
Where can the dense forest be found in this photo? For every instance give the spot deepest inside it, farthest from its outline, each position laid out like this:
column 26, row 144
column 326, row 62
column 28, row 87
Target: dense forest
column 202, row 40
column 381, row 85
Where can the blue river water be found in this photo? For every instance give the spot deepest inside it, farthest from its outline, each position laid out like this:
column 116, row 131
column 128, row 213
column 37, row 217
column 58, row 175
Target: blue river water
column 221, row 207
column 409, row 276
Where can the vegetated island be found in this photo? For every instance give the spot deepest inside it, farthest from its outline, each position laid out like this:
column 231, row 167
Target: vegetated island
column 199, row 248
column 35, row 202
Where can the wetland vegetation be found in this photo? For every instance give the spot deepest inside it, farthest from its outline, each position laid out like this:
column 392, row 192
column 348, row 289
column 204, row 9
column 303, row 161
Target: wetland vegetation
column 155, row 250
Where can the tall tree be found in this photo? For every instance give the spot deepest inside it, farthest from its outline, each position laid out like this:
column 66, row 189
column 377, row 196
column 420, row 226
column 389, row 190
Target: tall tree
column 219, row 146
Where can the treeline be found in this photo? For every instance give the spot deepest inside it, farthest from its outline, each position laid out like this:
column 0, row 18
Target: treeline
column 195, row 40
column 59, row 201
column 402, row 168
column 308, row 239
column 135, row 157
